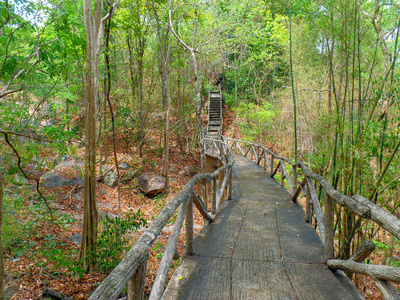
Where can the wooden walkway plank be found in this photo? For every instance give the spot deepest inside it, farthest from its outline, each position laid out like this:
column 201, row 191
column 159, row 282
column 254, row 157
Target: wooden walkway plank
column 259, row 247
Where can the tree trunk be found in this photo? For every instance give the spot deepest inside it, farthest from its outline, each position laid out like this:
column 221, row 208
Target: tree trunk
column 94, row 33
column 90, row 217
column 163, row 51
column 140, row 69
column 179, row 100
column 199, row 112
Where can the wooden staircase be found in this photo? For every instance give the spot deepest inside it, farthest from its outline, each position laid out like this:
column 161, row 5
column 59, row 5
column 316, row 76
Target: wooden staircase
column 214, row 114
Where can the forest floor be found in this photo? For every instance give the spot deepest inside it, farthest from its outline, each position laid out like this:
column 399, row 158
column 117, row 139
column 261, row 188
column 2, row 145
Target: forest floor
column 43, row 254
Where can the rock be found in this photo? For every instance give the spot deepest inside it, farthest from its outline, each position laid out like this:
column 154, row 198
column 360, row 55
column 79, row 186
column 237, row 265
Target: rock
column 129, row 176
column 11, row 291
column 152, row 184
column 51, row 180
column 78, row 181
column 70, row 163
column 124, row 166
column 110, row 178
column 76, row 238
column 12, row 213
column 105, row 205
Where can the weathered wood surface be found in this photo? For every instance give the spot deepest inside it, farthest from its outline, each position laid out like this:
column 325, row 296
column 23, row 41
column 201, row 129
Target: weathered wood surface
column 389, row 292
column 116, row 281
column 380, row 272
column 159, row 281
column 259, row 247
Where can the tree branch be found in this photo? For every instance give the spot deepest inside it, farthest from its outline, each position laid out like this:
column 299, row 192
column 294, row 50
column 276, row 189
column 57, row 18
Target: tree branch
column 26, row 175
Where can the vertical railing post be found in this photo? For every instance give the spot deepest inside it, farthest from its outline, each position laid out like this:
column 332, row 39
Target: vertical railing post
column 282, row 173
column 265, row 160
column 271, row 168
column 189, row 226
column 308, row 203
column 230, row 184
column 137, row 283
column 214, row 196
column 329, row 228
column 294, row 179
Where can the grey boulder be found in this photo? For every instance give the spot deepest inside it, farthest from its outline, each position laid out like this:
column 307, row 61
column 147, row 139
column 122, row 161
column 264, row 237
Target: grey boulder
column 152, row 184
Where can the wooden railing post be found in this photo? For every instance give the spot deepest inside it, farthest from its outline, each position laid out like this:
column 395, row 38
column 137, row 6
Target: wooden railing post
column 137, row 283
column 308, row 204
column 329, row 228
column 265, row 160
column 294, row 179
column 283, row 173
column 271, row 168
column 189, row 226
column 214, row 196
column 230, row 184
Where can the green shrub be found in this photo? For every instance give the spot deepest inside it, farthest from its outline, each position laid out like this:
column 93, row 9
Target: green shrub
column 112, row 241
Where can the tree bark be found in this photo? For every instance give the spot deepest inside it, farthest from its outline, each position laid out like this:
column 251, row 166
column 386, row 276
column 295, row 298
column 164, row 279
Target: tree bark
column 376, row 271
column 90, row 217
column 94, row 34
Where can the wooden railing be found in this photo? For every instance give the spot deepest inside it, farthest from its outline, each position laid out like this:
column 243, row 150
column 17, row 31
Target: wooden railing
column 132, row 269
column 324, row 216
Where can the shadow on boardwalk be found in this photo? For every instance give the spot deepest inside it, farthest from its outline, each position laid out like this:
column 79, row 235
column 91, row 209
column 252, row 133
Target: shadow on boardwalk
column 258, row 248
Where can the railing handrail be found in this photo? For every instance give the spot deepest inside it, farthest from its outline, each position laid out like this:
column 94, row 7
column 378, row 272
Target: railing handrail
column 357, row 203
column 382, row 275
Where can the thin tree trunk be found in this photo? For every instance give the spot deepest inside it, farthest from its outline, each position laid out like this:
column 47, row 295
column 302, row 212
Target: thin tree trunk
column 163, row 49
column 140, row 69
column 198, row 94
column 293, row 91
column 179, row 100
column 108, row 89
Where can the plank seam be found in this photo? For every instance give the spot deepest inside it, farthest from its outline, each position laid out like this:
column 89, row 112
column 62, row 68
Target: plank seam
column 234, row 247
column 261, row 260
column 280, row 250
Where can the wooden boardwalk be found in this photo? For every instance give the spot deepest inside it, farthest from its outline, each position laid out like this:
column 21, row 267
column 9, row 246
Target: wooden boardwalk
column 259, row 247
